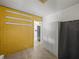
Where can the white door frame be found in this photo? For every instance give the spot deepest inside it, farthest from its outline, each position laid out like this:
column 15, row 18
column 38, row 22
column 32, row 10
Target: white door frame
column 36, row 23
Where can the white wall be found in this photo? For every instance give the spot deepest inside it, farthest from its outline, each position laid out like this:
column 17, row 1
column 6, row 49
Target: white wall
column 71, row 13
column 50, row 26
column 50, row 34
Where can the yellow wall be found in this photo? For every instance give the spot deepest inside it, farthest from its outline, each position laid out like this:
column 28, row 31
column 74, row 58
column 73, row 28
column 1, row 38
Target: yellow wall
column 14, row 37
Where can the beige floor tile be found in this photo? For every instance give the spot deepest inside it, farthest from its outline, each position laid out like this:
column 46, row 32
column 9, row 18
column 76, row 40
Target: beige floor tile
column 35, row 53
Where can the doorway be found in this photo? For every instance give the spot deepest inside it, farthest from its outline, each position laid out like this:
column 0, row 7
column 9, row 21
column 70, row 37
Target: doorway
column 37, row 33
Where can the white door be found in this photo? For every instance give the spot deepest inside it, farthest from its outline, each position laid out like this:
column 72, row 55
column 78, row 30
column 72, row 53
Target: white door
column 36, row 24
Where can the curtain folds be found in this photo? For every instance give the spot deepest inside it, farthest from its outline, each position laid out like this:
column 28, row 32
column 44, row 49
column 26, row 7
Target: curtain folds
column 69, row 40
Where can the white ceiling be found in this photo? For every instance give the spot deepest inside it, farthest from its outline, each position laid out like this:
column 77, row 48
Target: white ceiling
column 37, row 8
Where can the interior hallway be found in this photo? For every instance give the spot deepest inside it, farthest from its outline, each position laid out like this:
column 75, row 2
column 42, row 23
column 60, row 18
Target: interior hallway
column 17, row 27
column 37, row 53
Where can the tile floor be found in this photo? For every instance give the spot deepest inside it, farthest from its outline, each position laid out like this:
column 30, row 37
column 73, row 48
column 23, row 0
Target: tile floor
column 35, row 53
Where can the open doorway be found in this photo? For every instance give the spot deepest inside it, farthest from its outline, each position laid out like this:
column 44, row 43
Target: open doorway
column 37, row 33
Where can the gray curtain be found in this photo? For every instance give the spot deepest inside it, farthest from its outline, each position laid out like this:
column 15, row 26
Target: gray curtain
column 69, row 40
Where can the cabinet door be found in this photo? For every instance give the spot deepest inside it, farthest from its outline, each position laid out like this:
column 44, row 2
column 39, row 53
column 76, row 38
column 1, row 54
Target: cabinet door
column 15, row 34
